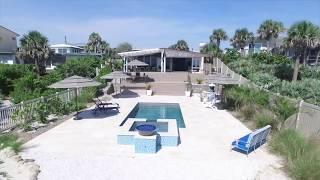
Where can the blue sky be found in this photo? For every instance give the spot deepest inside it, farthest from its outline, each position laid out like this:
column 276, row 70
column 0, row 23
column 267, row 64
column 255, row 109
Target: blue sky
column 148, row 23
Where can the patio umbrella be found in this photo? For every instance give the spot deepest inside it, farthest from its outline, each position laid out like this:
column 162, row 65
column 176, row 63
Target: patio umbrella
column 137, row 63
column 116, row 75
column 74, row 82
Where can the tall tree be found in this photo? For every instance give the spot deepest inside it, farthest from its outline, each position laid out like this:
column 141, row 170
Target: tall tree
column 301, row 37
column 217, row 36
column 104, row 47
column 181, row 45
column 94, row 43
column 110, row 57
column 35, row 46
column 124, row 47
column 241, row 38
column 269, row 30
column 211, row 49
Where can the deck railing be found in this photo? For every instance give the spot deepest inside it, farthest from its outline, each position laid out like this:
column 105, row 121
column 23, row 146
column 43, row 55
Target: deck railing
column 6, row 113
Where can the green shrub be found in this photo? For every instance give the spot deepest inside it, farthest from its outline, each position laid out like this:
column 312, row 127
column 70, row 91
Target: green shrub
column 310, row 72
column 307, row 89
column 284, row 108
column 9, row 140
column 24, row 117
column 265, row 80
column 306, row 166
column 85, row 67
column 268, row 58
column 87, row 94
column 284, row 72
column 231, row 55
column 57, row 106
column 41, row 112
column 265, row 118
column 9, row 73
column 289, row 144
column 302, row 155
column 244, row 95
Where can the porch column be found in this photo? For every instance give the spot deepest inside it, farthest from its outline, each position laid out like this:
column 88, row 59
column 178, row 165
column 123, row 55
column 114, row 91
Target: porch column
column 191, row 65
column 161, row 61
column 201, row 65
column 164, row 63
column 124, row 63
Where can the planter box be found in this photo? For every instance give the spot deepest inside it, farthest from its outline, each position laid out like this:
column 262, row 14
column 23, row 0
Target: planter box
column 149, row 92
column 188, row 93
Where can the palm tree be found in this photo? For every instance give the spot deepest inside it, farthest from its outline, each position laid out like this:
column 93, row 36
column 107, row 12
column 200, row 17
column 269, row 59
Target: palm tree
column 211, row 49
column 301, row 37
column 270, row 29
column 93, row 43
column 104, row 46
column 34, row 46
column 241, row 38
column 110, row 56
column 181, row 45
column 217, row 36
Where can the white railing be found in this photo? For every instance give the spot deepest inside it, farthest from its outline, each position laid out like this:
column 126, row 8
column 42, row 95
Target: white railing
column 6, row 120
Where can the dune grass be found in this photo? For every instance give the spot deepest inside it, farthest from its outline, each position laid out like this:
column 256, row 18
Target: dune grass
column 9, row 140
column 301, row 154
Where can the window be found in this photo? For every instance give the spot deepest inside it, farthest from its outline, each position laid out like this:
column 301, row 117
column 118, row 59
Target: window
column 195, row 64
column 62, row 51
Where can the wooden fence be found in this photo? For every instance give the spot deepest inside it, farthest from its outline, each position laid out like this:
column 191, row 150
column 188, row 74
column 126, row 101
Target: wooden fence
column 6, row 113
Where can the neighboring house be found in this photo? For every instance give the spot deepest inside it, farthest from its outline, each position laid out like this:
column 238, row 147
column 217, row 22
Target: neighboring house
column 8, row 46
column 313, row 58
column 66, row 49
column 261, row 45
column 165, row 60
column 64, row 52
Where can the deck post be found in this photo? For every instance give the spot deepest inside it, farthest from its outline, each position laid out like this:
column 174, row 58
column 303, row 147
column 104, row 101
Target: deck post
column 201, row 65
column 191, row 65
column 164, row 63
column 126, row 64
column 161, row 60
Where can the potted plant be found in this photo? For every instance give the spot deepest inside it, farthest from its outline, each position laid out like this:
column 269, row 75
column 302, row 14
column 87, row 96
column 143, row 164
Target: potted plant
column 199, row 81
column 188, row 86
column 188, row 90
column 149, row 90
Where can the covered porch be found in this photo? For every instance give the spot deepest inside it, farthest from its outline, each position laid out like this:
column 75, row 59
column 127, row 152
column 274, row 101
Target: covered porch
column 165, row 60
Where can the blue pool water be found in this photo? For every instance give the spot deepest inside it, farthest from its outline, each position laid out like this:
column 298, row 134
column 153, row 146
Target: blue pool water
column 154, row 111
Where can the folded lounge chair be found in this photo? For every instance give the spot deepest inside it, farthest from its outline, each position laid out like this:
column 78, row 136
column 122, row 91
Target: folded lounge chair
column 105, row 106
column 252, row 140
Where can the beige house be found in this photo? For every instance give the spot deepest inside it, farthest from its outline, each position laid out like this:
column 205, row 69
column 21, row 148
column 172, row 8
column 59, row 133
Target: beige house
column 8, row 46
column 165, row 60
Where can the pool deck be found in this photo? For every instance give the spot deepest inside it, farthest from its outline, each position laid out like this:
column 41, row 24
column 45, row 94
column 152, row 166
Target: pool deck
column 88, row 149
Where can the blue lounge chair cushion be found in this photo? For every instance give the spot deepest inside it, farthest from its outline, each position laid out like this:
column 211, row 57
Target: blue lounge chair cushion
column 252, row 140
column 242, row 143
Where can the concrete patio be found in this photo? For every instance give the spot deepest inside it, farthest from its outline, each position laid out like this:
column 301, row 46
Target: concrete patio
column 88, row 149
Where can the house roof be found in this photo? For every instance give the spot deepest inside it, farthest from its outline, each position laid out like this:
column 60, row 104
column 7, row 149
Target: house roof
column 168, row 53
column 9, row 30
column 64, row 46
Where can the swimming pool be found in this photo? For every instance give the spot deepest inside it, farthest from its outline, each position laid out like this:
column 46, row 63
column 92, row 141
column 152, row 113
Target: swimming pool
column 154, row 111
